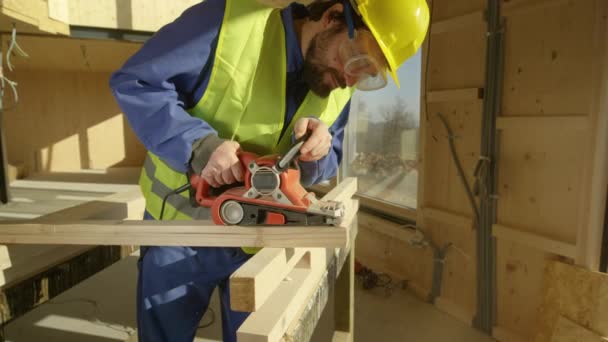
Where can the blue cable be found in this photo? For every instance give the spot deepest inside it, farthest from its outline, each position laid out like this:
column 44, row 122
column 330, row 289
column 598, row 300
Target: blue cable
column 349, row 19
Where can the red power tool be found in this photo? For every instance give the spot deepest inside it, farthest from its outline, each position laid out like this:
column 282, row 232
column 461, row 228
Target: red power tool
column 271, row 195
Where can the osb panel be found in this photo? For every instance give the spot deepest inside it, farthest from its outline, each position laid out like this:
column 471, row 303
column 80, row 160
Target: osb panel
column 540, row 181
column 66, row 121
column 443, row 187
column 548, row 65
column 519, row 274
column 445, row 9
column 568, row 331
column 457, row 59
column 459, row 281
column 66, row 54
column 385, row 253
column 576, row 294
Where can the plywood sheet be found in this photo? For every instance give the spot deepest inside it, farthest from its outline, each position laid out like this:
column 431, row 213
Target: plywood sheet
column 445, row 9
column 548, row 66
column 576, row 294
column 67, row 54
column 457, row 59
column 540, row 181
column 67, row 121
column 568, row 331
column 519, row 278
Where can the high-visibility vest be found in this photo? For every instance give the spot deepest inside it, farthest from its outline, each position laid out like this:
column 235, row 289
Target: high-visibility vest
column 244, row 101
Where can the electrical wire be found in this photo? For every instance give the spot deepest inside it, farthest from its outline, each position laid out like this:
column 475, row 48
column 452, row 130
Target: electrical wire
column 14, row 46
column 174, row 192
column 460, row 170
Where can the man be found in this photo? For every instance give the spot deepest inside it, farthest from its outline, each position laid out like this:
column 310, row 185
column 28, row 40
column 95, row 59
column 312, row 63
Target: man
column 235, row 74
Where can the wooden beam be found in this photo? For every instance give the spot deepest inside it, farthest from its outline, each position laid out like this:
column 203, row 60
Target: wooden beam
column 534, row 241
column 170, row 233
column 455, row 95
column 271, row 321
column 343, row 191
column 253, row 283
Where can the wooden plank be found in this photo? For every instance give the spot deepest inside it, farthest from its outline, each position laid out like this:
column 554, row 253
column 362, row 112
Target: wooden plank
column 34, row 13
column 170, row 233
column 548, row 122
column 271, row 321
column 447, row 217
column 24, row 261
column 40, row 262
column 534, row 241
column 568, row 331
column 343, row 191
column 344, row 310
column 455, row 95
column 254, row 282
column 71, row 186
column 474, row 20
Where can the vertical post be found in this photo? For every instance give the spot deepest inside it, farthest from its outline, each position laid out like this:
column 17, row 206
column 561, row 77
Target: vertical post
column 344, row 297
column 486, row 244
column 4, row 193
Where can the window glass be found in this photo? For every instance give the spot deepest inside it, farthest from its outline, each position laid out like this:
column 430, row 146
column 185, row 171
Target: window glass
column 381, row 142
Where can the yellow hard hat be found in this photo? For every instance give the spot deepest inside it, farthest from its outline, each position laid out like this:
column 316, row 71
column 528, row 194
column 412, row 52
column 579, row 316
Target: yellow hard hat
column 399, row 27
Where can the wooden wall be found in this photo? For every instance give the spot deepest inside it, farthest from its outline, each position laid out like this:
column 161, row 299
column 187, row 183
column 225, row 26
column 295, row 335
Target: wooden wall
column 552, row 155
column 67, row 118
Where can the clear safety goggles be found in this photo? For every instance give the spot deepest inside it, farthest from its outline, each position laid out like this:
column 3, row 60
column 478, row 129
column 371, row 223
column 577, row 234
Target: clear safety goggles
column 363, row 61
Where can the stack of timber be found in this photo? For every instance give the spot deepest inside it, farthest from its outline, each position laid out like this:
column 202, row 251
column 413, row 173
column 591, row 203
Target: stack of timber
column 32, row 274
column 286, row 290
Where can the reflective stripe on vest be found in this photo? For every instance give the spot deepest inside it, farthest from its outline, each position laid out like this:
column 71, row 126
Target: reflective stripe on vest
column 244, row 100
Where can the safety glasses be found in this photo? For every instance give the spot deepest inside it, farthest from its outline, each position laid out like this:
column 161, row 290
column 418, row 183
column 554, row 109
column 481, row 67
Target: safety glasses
column 363, row 61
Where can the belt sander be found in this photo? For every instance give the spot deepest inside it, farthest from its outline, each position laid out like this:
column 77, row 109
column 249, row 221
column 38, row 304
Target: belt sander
column 271, row 195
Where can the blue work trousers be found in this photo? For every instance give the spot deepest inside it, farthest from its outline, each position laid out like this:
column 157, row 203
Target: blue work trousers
column 174, row 288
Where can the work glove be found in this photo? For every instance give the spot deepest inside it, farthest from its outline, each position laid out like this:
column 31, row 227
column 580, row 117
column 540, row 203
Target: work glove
column 215, row 159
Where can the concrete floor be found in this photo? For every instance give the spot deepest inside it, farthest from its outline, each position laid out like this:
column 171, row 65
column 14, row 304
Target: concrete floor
column 101, row 309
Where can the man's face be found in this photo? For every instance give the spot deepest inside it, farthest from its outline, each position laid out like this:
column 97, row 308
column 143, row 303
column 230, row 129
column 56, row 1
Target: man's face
column 323, row 71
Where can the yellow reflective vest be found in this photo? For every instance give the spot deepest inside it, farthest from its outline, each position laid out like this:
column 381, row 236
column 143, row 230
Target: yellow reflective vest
column 244, row 101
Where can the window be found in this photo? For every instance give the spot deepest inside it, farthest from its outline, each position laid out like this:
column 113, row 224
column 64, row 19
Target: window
column 381, row 142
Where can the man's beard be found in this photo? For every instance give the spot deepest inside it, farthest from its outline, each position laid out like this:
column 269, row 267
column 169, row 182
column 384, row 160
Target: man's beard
column 315, row 67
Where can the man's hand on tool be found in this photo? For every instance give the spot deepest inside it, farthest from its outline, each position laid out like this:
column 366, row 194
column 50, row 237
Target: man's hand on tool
column 224, row 166
column 318, row 144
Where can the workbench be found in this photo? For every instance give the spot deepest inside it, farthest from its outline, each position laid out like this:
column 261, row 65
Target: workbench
column 285, row 287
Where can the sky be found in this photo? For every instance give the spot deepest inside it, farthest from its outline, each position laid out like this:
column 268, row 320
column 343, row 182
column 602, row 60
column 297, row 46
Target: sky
column 409, row 77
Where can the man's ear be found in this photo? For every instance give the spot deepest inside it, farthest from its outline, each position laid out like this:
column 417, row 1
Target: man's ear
column 331, row 16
